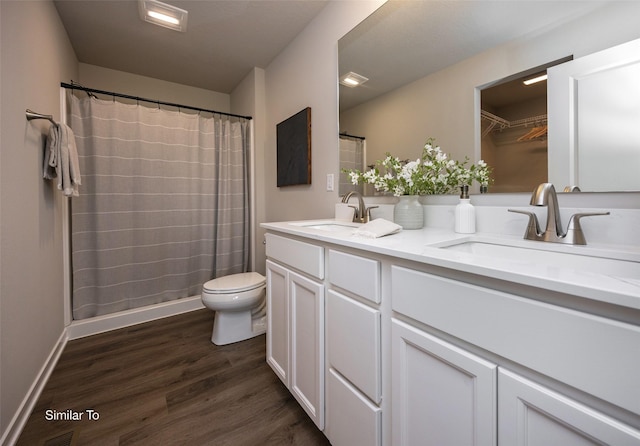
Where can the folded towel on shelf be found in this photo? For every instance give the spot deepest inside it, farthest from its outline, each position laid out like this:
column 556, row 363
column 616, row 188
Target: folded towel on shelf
column 61, row 159
column 377, row 228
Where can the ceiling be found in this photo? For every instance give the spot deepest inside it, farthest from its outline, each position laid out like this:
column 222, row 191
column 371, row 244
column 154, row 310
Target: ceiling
column 224, row 41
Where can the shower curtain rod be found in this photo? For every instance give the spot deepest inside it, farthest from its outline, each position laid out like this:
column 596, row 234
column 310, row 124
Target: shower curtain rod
column 352, row 136
column 152, row 101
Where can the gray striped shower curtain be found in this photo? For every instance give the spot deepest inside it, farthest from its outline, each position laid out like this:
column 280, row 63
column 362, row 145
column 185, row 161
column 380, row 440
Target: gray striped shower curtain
column 163, row 204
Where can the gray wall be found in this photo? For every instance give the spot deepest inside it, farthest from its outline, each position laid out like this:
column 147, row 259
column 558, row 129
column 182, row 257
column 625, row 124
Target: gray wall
column 146, row 87
column 248, row 98
column 36, row 57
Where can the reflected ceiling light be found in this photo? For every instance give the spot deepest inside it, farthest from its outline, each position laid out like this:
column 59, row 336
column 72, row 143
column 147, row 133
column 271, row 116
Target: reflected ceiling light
column 536, row 79
column 352, row 79
column 162, row 14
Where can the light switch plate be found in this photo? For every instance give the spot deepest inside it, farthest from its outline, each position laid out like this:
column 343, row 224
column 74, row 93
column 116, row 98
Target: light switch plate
column 329, row 182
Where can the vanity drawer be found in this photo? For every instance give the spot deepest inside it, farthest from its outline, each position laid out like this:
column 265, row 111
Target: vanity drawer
column 302, row 256
column 597, row 355
column 353, row 343
column 351, row 418
column 358, row 275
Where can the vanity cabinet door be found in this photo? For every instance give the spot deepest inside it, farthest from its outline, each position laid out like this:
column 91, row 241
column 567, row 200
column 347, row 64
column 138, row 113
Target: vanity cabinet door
column 533, row 415
column 307, row 345
column 295, row 336
column 442, row 395
column 278, row 320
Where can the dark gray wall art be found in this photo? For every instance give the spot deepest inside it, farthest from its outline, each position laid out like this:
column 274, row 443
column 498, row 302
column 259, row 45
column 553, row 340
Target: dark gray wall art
column 294, row 149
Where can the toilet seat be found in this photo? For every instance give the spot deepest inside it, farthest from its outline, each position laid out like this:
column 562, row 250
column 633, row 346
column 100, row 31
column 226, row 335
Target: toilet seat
column 234, row 283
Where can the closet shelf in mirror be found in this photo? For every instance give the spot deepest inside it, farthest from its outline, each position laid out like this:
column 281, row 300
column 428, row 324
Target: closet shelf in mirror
column 498, row 123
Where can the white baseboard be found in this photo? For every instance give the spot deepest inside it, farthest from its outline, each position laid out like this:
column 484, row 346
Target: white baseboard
column 108, row 322
column 11, row 435
column 88, row 327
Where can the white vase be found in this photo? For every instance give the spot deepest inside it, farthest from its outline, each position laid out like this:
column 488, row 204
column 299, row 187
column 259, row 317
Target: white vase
column 408, row 212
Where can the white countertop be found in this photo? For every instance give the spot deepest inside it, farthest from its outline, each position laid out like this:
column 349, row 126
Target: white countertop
column 422, row 246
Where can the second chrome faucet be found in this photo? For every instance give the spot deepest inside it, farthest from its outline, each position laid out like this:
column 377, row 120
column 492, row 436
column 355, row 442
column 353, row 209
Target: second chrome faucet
column 361, row 214
column 545, row 195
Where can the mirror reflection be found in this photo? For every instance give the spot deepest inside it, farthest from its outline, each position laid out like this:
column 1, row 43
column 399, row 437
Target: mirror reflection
column 514, row 134
column 514, row 130
column 430, row 65
column 352, row 156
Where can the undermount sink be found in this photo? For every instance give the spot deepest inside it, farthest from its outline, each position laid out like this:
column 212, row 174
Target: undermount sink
column 580, row 258
column 328, row 226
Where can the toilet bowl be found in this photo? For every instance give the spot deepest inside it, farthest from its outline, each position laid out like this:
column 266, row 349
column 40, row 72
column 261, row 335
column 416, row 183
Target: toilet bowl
column 239, row 304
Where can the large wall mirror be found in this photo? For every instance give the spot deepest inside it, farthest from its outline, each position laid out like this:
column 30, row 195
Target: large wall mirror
column 428, row 62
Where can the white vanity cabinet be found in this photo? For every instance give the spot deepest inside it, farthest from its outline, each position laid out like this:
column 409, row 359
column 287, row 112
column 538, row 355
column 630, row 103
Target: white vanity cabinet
column 353, row 332
column 442, row 395
column 577, row 350
column 295, row 318
column 383, row 349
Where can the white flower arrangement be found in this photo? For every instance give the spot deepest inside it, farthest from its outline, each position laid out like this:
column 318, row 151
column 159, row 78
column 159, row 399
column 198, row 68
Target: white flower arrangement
column 433, row 173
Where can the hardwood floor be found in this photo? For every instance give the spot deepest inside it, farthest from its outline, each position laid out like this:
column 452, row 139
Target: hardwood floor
column 165, row 383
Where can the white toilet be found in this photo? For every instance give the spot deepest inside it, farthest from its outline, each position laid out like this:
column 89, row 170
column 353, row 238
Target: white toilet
column 240, row 306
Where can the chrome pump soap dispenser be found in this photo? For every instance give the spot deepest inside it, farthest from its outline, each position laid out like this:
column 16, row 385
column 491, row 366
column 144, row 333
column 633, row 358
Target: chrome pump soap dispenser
column 465, row 213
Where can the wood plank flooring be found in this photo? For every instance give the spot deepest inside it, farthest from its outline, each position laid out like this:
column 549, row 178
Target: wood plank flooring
column 164, row 383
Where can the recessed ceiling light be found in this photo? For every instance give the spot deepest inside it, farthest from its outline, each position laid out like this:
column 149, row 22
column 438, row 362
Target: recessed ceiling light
column 163, row 17
column 536, row 79
column 352, row 79
column 163, row 14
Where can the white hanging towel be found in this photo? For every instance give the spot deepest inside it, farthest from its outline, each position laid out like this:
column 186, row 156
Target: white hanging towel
column 61, row 159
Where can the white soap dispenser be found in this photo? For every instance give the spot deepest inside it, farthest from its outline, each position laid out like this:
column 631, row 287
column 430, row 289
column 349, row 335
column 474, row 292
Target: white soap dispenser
column 465, row 213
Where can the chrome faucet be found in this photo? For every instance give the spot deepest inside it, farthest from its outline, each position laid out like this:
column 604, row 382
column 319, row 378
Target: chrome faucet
column 545, row 195
column 361, row 214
